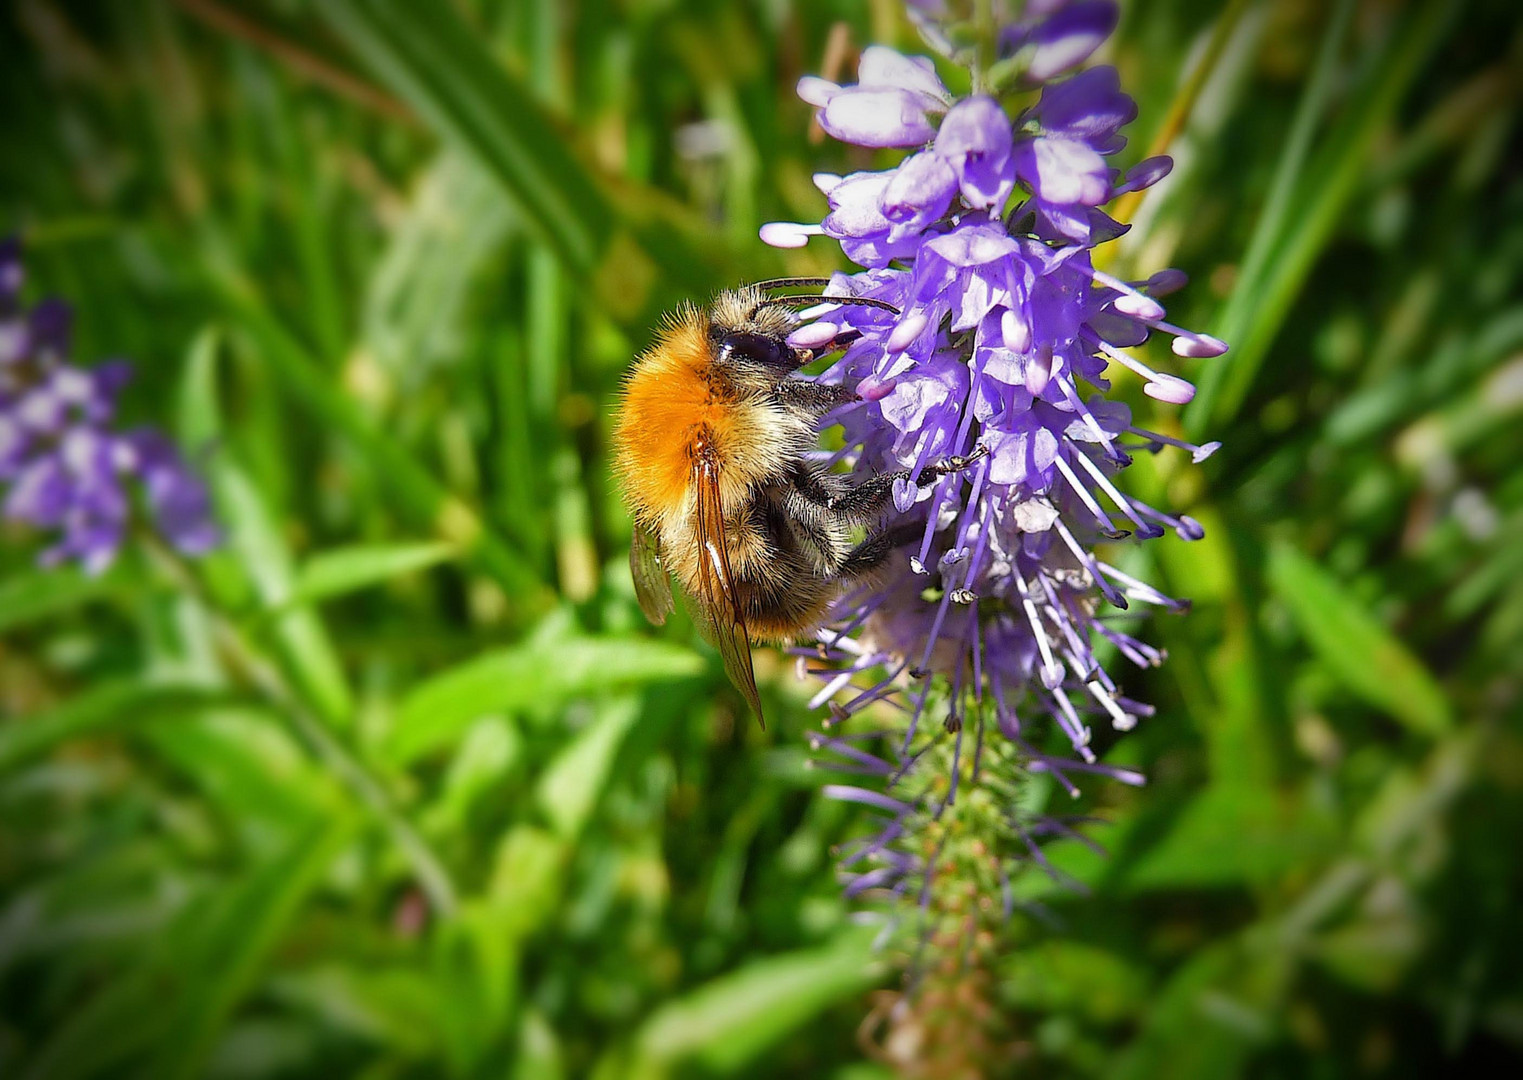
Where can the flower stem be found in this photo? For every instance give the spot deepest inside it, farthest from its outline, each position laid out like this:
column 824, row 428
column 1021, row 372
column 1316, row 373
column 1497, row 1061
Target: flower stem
column 984, row 50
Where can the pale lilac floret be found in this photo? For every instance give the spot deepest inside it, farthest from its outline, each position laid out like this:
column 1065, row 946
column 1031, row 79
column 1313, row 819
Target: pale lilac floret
column 1065, row 40
column 888, row 105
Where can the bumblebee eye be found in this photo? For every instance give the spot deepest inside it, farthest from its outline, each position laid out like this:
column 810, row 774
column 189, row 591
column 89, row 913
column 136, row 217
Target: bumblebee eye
column 757, row 348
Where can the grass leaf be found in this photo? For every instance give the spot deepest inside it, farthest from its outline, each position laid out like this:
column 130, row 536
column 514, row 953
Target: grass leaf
column 730, row 1021
column 39, row 593
column 223, row 954
column 1356, row 648
column 537, row 673
column 337, row 571
column 106, row 708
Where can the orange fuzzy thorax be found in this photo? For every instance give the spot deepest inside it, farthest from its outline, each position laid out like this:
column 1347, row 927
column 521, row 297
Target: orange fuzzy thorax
column 674, row 399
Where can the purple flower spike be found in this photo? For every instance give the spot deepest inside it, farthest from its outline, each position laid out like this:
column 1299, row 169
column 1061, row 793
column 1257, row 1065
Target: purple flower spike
column 992, row 613
column 63, row 467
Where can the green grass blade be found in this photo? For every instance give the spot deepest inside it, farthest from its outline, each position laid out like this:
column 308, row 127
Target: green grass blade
column 544, row 674
column 339, row 571
column 222, row 956
column 730, row 1021
column 1360, row 652
column 435, row 62
column 109, row 708
column 570, row 785
column 40, row 593
column 1315, row 101
column 305, row 646
column 628, row 257
column 1261, row 305
column 415, row 489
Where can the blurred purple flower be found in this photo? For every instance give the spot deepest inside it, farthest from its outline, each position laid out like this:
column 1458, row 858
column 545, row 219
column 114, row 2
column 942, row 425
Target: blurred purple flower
column 983, row 239
column 63, row 466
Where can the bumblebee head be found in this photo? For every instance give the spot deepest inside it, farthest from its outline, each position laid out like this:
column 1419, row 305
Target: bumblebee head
column 749, row 334
column 749, row 329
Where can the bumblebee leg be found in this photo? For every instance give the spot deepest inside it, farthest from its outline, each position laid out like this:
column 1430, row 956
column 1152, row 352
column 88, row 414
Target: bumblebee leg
column 953, row 464
column 824, row 493
column 814, row 398
column 873, row 552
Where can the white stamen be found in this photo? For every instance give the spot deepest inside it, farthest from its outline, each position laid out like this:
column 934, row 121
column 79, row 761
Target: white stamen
column 909, row 328
column 788, row 234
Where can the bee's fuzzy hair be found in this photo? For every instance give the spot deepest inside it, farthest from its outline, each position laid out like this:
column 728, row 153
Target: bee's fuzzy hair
column 747, row 309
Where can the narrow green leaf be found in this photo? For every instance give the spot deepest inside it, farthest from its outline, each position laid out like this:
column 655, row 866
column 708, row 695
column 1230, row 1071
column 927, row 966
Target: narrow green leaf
column 539, row 1048
column 1356, row 648
column 1268, row 231
column 536, row 673
column 263, row 563
column 1071, row 976
column 489, row 758
column 416, row 490
column 1208, row 1017
column 1321, row 197
column 1232, row 834
column 343, row 570
column 730, row 1021
column 415, row 309
column 120, row 1021
column 306, row 648
column 437, row 64
column 38, row 593
column 392, row 1006
column 222, row 956
column 108, row 708
column 176, row 1000
column 247, row 764
column 430, row 57
column 527, row 882
column 569, row 787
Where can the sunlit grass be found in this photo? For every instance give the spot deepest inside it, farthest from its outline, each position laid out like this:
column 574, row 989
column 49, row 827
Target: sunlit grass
column 399, row 783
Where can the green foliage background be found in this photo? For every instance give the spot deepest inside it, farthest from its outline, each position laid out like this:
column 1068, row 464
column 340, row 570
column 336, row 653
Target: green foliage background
column 399, row 784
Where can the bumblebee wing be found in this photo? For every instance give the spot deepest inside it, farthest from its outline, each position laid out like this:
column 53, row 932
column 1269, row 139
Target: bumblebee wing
column 653, row 588
column 717, row 597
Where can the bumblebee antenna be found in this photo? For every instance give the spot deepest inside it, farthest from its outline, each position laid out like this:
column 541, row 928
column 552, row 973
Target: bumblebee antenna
column 789, row 282
column 847, row 301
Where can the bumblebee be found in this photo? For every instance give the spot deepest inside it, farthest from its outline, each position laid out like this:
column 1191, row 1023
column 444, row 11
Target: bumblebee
column 711, row 447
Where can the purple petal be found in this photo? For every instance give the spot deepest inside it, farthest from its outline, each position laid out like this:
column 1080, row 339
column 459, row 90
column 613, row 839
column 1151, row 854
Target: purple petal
column 855, row 206
column 1168, row 388
column 846, row 793
column 920, row 191
column 876, row 118
column 1063, row 171
column 1090, row 106
column 884, row 68
column 817, row 91
column 976, row 139
column 1146, row 173
column 1067, row 39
